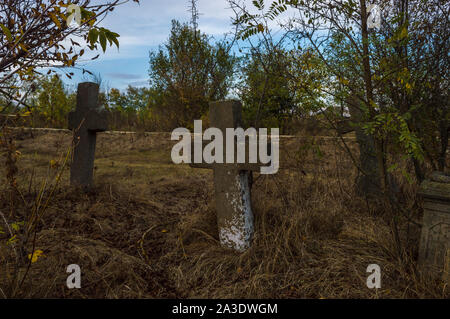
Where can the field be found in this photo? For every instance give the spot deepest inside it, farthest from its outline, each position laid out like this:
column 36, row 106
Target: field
column 148, row 229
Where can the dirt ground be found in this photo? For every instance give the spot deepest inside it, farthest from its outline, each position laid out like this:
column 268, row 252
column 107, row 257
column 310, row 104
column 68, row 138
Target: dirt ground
column 148, row 230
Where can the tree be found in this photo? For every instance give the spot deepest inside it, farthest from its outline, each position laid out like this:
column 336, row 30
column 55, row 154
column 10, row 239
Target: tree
column 393, row 81
column 413, row 53
column 135, row 105
column 32, row 32
column 189, row 72
column 380, row 70
column 53, row 102
column 279, row 85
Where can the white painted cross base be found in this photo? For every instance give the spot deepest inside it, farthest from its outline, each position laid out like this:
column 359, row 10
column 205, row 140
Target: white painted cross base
column 234, row 211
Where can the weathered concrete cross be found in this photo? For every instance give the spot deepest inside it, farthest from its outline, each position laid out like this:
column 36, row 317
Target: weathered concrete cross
column 231, row 183
column 85, row 122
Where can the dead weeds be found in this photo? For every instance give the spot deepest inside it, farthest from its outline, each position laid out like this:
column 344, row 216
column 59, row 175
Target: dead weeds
column 148, row 229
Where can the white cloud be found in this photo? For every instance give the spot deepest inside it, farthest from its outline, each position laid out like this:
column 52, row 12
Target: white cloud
column 143, row 28
column 149, row 23
column 124, row 76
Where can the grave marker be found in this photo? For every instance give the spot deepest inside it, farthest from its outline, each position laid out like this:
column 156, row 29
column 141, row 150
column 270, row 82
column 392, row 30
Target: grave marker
column 434, row 250
column 231, row 182
column 85, row 122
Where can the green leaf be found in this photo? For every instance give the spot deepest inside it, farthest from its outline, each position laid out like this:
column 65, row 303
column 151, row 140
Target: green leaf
column 93, row 36
column 6, row 32
column 116, row 42
column 259, row 4
column 112, row 38
column 103, row 41
column 11, row 240
column 392, row 168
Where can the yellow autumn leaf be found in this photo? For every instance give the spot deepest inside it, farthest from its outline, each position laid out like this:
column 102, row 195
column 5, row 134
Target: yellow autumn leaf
column 164, row 231
column 403, row 33
column 37, row 253
column 344, row 81
column 55, row 19
column 23, row 47
column 260, row 27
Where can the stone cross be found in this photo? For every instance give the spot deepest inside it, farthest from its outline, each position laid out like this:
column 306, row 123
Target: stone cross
column 434, row 250
column 231, row 183
column 85, row 122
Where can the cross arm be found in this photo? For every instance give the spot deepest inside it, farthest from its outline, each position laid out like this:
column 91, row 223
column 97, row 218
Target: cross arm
column 92, row 120
column 247, row 166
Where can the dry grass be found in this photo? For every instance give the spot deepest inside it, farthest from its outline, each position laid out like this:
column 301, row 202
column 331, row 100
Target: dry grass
column 148, row 228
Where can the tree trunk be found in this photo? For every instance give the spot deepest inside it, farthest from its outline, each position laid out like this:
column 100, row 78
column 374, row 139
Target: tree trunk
column 368, row 181
column 378, row 145
column 443, row 130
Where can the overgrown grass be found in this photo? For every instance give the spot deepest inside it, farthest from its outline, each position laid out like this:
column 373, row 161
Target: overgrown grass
column 148, row 228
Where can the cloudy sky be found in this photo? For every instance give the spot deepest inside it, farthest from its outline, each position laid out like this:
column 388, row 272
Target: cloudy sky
column 143, row 28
